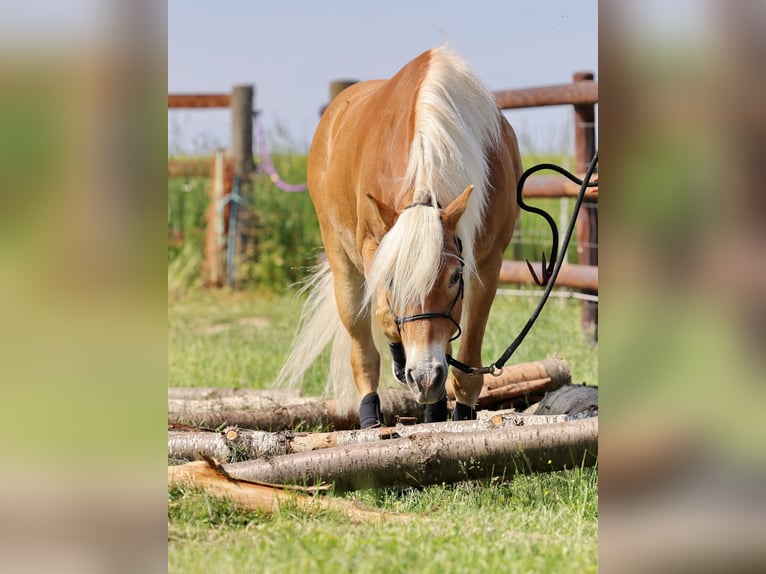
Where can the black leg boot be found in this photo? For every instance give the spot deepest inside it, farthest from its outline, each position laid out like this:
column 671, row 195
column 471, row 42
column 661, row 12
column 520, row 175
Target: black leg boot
column 369, row 411
column 463, row 413
column 437, row 412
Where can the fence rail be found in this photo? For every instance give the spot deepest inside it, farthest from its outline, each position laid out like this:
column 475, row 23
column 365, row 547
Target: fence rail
column 584, row 92
column 199, row 101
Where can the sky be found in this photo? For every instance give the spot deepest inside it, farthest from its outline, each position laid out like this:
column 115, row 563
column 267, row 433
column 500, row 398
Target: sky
column 292, row 50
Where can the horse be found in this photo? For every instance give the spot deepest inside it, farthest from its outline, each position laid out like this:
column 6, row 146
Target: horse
column 413, row 182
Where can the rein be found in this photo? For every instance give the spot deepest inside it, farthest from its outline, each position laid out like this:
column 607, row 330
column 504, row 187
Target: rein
column 550, row 272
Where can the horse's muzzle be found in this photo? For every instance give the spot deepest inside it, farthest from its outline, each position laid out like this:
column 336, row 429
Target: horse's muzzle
column 427, row 382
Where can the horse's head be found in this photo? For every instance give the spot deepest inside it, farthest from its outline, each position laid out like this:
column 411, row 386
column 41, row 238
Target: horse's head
column 419, row 293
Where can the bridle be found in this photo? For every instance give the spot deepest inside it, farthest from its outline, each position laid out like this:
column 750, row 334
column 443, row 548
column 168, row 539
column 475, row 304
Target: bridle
column 434, row 315
column 550, row 273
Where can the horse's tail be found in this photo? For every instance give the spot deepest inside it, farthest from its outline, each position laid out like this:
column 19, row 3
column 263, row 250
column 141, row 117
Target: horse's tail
column 320, row 326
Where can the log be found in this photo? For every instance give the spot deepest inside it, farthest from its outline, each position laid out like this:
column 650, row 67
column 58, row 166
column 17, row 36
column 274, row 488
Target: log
column 535, row 377
column 311, row 413
column 430, row 458
column 183, row 446
column 267, row 498
column 515, row 381
column 248, row 444
column 200, row 393
column 178, row 407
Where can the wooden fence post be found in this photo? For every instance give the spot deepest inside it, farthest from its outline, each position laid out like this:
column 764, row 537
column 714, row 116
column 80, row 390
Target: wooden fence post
column 587, row 220
column 336, row 87
column 242, row 156
column 214, row 263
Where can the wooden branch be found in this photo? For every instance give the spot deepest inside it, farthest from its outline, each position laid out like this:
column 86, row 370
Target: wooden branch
column 247, row 444
column 267, row 498
column 429, row 458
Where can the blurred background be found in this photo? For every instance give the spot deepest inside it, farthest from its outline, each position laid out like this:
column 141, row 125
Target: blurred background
column 85, row 287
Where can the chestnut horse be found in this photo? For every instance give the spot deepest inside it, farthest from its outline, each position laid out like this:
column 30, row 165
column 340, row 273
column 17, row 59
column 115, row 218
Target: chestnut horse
column 413, row 181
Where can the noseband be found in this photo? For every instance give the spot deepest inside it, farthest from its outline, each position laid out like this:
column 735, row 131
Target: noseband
column 422, row 316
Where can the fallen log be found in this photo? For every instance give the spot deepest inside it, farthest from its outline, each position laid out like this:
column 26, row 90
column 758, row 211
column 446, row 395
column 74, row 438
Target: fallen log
column 187, row 446
column 247, row 444
column 534, row 377
column 429, row 458
column 311, row 413
column 267, row 498
column 179, row 407
column 201, row 393
column 267, row 413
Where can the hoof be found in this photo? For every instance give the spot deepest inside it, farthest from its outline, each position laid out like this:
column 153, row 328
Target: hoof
column 463, row 413
column 370, row 414
column 437, row 412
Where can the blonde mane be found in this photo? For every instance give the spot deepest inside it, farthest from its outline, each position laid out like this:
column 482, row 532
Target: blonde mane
column 456, row 123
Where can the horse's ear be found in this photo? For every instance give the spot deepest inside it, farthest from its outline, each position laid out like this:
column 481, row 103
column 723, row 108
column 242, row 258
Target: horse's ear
column 455, row 209
column 382, row 217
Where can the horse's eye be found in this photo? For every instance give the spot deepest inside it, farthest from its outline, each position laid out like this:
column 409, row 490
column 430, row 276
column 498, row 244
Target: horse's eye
column 454, row 278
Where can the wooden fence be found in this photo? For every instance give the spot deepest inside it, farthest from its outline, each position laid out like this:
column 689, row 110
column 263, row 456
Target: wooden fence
column 582, row 95
column 224, row 250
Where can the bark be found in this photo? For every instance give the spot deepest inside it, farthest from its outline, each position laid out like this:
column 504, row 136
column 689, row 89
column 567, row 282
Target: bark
column 201, row 393
column 308, row 413
column 275, row 410
column 535, row 377
column 246, row 444
column 183, row 446
column 179, row 407
column 429, row 457
column 267, row 498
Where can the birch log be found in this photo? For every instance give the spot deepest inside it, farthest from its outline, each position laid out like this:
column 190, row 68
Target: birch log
column 201, row 393
column 307, row 413
column 247, row 444
column 430, row 458
column 280, row 413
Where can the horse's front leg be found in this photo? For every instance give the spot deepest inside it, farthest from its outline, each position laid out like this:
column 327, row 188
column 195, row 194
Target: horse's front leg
column 365, row 359
column 476, row 307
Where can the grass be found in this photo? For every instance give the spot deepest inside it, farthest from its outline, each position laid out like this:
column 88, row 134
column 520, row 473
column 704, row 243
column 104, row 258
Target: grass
column 537, row 523
column 545, row 523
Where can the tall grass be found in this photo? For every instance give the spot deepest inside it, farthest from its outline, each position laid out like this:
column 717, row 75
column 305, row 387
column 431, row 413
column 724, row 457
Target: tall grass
column 285, row 234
